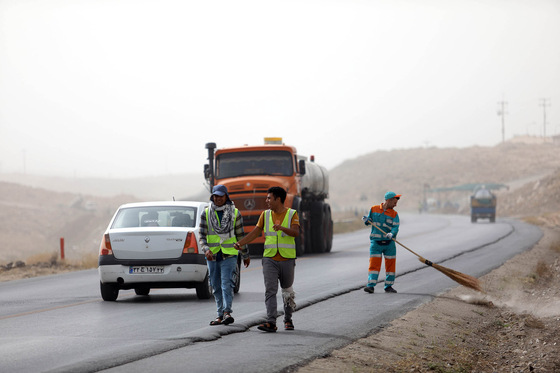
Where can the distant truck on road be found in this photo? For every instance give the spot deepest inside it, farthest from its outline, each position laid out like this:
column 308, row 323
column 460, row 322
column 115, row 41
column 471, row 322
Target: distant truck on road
column 483, row 205
column 248, row 172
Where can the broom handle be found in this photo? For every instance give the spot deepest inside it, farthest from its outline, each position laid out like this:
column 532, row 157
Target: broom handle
column 394, row 239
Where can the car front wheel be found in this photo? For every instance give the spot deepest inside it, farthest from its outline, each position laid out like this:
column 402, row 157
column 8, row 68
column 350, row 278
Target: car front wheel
column 109, row 292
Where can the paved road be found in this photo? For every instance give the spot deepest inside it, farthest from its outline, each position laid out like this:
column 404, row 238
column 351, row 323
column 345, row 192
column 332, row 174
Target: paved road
column 58, row 323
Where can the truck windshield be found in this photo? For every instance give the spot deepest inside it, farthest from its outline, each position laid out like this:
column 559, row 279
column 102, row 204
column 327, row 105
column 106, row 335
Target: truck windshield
column 272, row 162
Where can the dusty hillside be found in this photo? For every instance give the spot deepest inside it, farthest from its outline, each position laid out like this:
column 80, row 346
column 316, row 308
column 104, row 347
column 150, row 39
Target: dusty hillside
column 32, row 221
column 180, row 186
column 540, row 197
column 360, row 182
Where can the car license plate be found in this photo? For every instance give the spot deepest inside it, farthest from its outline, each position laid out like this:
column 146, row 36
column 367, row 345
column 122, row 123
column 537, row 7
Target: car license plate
column 145, row 269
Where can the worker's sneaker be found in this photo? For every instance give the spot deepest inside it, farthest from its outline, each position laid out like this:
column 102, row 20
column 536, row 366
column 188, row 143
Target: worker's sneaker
column 390, row 289
column 369, row 289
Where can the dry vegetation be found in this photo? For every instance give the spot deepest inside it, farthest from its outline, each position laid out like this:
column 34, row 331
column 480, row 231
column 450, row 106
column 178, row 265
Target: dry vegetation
column 43, row 264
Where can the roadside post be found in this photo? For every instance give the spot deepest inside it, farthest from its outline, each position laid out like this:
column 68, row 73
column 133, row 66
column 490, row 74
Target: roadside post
column 62, row 248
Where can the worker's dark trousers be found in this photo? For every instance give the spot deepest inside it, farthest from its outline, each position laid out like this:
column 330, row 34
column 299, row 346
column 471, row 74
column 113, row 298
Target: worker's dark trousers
column 274, row 272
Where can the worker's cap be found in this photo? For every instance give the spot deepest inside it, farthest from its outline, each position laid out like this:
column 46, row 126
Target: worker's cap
column 390, row 195
column 219, row 190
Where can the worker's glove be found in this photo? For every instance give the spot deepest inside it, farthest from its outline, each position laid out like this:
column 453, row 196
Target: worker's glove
column 389, row 235
column 365, row 220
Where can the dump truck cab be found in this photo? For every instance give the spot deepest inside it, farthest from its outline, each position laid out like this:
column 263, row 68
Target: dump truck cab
column 249, row 171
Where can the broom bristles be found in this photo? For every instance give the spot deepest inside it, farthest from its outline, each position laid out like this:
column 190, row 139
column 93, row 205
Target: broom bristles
column 461, row 278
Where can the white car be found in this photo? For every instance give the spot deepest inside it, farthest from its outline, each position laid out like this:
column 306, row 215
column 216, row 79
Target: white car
column 155, row 245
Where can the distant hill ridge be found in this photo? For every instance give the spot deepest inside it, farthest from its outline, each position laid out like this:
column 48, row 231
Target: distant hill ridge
column 36, row 211
column 363, row 181
column 163, row 187
column 355, row 183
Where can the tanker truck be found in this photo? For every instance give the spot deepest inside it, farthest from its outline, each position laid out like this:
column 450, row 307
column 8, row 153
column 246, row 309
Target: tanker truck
column 248, row 172
column 483, row 204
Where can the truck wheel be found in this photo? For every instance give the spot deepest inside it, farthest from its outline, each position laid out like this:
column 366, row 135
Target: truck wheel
column 300, row 240
column 473, row 219
column 493, row 219
column 328, row 230
column 300, row 247
column 318, row 227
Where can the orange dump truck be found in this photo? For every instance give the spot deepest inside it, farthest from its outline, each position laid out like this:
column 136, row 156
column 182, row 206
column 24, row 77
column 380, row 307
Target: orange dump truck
column 248, row 172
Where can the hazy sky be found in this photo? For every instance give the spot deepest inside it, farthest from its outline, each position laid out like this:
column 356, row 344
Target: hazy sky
column 121, row 88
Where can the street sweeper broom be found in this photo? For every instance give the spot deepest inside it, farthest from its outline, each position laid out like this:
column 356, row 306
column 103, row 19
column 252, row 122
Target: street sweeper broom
column 461, row 278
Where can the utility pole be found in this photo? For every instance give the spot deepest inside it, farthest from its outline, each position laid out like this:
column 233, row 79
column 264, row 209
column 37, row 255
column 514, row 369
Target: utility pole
column 24, row 163
column 544, row 102
column 502, row 112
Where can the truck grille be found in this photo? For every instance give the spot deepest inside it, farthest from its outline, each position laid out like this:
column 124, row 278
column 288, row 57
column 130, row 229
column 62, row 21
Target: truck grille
column 250, row 220
column 250, row 204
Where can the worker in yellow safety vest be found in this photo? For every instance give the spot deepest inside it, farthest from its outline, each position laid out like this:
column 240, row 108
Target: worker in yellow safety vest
column 221, row 225
column 280, row 226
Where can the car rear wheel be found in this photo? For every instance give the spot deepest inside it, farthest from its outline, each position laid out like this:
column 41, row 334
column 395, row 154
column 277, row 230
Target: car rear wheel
column 142, row 290
column 204, row 290
column 109, row 292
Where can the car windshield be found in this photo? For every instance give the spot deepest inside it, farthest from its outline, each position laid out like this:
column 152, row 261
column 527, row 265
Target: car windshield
column 156, row 216
column 272, row 162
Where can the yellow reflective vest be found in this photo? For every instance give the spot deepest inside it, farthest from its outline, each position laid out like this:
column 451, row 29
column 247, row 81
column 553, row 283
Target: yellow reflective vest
column 223, row 242
column 275, row 241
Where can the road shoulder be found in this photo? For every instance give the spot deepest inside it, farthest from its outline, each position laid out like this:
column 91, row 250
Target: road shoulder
column 513, row 327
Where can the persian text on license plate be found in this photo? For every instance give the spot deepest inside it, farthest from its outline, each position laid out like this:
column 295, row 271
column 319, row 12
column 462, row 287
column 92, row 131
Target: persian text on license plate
column 145, row 269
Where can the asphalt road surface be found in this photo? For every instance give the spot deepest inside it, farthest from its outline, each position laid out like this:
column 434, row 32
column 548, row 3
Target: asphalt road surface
column 59, row 323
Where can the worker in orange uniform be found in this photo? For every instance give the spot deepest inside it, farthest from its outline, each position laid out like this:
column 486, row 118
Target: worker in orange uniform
column 383, row 216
